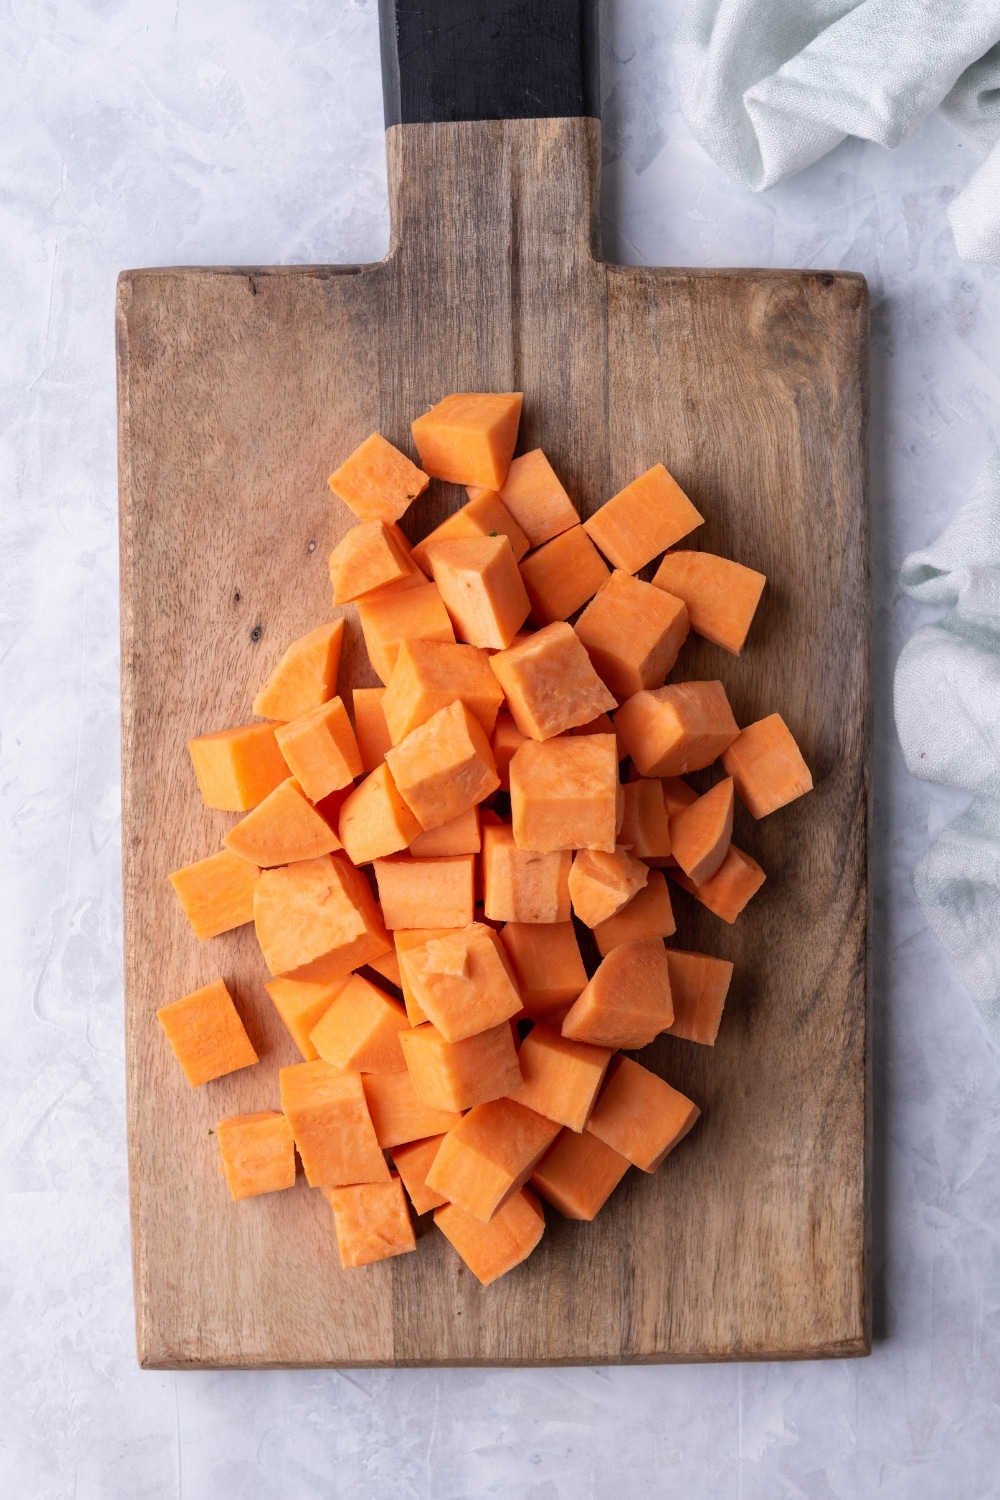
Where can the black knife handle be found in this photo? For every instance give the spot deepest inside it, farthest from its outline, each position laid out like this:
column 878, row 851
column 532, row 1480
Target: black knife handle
column 445, row 60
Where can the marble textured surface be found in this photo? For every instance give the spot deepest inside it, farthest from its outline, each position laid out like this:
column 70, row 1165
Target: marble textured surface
column 144, row 132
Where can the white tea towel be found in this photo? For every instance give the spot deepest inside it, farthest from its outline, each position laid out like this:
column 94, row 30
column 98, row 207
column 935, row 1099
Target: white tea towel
column 769, row 86
column 947, row 701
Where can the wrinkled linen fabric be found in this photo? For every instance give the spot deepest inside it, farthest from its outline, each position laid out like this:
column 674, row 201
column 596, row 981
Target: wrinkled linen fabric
column 770, row 86
column 947, row 704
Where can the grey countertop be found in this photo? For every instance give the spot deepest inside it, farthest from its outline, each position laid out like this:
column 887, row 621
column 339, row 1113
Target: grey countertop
column 145, row 132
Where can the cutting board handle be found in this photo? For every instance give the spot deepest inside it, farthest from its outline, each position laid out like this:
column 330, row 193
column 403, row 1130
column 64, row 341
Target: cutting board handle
column 451, row 60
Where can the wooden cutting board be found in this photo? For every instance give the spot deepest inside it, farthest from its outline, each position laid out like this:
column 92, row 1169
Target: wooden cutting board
column 240, row 390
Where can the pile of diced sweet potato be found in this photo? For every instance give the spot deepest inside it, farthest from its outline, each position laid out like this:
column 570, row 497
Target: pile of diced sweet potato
column 419, row 878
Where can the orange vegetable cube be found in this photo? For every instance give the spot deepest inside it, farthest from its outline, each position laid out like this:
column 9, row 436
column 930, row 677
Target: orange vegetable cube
column 481, row 589
column 372, row 1222
column 306, row 675
column 236, row 768
column 397, row 1112
column 699, row 986
column 415, row 892
column 316, row 919
column 562, row 575
column 359, row 1031
column 282, row 828
column 458, row 1075
column 579, row 1174
column 378, row 482
column 648, row 915
column 506, row 740
column 206, row 1034
column 721, row 596
column 491, row 1250
column 700, row 835
column 646, row 517
column 415, row 938
column 415, row 614
column 460, row 981
column 737, row 879
column 632, row 633
column 489, row 1155
column 646, row 825
column 321, row 750
column 536, row 499
column 676, row 795
column 767, row 766
column 374, row 820
column 601, row 884
column 564, row 794
column 549, row 682
column 412, row 1161
column 520, row 885
column 461, row 835
column 300, row 1003
column 331, row 1125
column 216, row 893
column 561, row 1077
column 372, row 557
column 469, row 438
column 370, row 728
column 547, row 964
column 679, row 728
column 429, row 676
column 443, row 767
column 627, row 1002
column 485, row 515
column 639, row 1115
column 258, row 1153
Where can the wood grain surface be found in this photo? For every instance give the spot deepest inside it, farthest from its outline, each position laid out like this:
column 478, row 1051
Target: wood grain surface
column 240, row 390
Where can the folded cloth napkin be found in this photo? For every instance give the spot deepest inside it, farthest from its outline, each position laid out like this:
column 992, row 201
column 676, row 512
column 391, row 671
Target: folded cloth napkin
column 769, row 86
column 947, row 701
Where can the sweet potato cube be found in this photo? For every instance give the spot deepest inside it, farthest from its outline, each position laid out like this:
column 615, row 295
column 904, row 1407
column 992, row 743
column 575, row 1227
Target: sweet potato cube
column 627, row 1002
column 489, row 1155
column 370, row 728
column 601, row 884
column 700, row 835
column 317, row 919
column 564, row 793
column 397, row 1112
column 535, row 498
column 372, row 1221
column 520, row 885
column 767, row 766
column 671, row 730
column 376, row 481
column 548, row 966
column 461, row 835
column 300, row 1003
column 721, row 596
column 321, row 750
column 579, row 1174
column 468, row 438
column 459, row 1075
column 485, row 515
column 236, row 768
column 639, row 1115
column 491, row 1250
column 677, row 795
column 562, row 574
column 429, row 676
column 258, row 1153
column 359, row 1031
column 648, row 915
column 549, row 682
column 412, row 1162
column 416, row 614
column 443, row 767
column 561, row 1077
column 306, row 675
column 216, row 893
column 206, row 1034
column 460, row 982
column 645, row 826
column 331, row 1125
column 415, row 938
column 699, row 986
column 632, row 633
column 374, row 820
column 646, row 517
column 481, row 589
column 372, row 558
column 506, row 740
column 416, row 892
column 737, row 879
column 282, row 828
